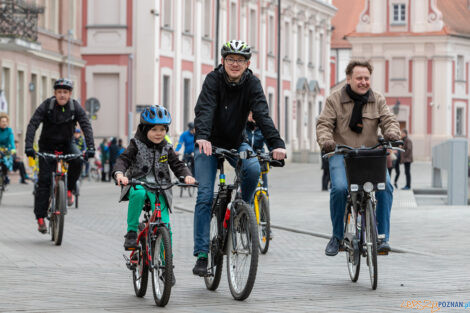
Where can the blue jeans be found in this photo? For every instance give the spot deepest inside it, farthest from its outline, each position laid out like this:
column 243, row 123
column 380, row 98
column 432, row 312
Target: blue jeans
column 206, row 169
column 339, row 193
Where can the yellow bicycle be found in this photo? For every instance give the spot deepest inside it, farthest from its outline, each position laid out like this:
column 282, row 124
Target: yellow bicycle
column 261, row 201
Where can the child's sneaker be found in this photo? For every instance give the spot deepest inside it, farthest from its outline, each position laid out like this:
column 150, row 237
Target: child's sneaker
column 131, row 240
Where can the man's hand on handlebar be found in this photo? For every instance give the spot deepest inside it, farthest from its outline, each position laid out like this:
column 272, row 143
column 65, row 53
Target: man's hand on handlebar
column 121, row 180
column 329, row 146
column 189, row 180
column 391, row 137
column 279, row 154
column 204, row 146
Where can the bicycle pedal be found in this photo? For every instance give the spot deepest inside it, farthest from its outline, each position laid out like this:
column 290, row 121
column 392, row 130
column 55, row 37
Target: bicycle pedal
column 382, row 253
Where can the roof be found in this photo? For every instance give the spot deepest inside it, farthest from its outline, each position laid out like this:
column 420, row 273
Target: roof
column 345, row 21
column 456, row 16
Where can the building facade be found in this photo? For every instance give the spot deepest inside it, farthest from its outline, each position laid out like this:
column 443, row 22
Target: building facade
column 166, row 48
column 420, row 51
column 39, row 42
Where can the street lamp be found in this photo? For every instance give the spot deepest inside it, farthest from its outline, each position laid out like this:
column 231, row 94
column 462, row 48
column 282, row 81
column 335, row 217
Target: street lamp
column 396, row 107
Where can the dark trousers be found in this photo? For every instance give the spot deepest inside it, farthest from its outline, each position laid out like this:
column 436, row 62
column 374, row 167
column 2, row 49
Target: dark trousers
column 19, row 165
column 46, row 167
column 408, row 174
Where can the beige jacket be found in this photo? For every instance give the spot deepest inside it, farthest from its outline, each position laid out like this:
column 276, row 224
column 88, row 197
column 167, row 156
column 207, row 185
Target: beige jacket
column 333, row 123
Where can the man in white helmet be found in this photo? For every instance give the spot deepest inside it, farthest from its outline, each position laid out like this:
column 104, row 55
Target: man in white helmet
column 228, row 95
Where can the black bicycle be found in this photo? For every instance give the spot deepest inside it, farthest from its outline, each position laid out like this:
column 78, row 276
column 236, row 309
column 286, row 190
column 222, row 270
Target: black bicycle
column 366, row 173
column 58, row 198
column 233, row 232
column 154, row 252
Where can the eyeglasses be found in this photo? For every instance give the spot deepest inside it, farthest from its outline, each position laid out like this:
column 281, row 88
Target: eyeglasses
column 233, row 61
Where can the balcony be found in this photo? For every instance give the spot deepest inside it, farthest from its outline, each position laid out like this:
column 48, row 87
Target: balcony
column 19, row 24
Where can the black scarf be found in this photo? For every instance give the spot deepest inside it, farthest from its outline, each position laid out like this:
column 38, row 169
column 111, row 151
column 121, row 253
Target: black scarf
column 356, row 117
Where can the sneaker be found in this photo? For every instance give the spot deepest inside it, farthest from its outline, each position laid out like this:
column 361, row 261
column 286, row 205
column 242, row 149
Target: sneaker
column 23, row 181
column 70, row 198
column 396, row 186
column 131, row 240
column 332, row 247
column 383, row 248
column 200, row 268
column 7, row 180
column 42, row 228
column 406, row 188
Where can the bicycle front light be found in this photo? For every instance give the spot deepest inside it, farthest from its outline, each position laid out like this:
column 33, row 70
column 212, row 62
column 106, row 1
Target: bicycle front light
column 381, row 186
column 354, row 187
column 368, row 187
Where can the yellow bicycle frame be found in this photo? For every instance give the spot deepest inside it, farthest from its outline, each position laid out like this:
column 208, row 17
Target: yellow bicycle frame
column 260, row 190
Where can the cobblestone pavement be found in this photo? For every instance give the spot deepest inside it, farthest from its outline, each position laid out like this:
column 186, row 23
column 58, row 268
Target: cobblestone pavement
column 88, row 273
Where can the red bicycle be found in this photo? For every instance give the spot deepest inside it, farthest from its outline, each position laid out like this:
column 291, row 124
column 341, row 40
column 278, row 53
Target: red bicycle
column 154, row 251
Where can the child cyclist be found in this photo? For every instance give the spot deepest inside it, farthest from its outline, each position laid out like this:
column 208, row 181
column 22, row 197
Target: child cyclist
column 148, row 158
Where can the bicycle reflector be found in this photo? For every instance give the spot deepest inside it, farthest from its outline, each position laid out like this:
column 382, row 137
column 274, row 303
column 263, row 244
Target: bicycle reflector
column 368, row 187
column 381, row 186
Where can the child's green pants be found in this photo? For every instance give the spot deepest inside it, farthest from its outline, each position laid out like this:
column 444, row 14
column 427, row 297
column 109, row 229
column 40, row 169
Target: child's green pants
column 136, row 203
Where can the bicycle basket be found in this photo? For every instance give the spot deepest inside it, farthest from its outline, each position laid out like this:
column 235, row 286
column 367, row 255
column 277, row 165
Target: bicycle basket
column 366, row 166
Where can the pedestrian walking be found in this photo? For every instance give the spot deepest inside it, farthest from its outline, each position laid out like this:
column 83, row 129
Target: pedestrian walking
column 407, row 157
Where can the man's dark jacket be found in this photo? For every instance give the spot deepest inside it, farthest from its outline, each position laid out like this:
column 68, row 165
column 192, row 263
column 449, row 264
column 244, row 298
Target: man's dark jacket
column 58, row 126
column 222, row 110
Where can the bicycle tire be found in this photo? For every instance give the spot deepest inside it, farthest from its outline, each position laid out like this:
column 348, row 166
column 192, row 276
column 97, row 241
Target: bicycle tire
column 243, row 226
column 353, row 255
column 163, row 266
column 58, row 214
column 371, row 237
column 215, row 258
column 140, row 274
column 77, row 193
column 264, row 226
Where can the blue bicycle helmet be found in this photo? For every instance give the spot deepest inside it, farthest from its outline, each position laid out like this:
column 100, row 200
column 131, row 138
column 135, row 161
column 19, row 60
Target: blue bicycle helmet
column 155, row 115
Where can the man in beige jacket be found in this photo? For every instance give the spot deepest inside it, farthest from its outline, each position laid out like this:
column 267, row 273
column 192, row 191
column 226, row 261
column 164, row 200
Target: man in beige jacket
column 351, row 116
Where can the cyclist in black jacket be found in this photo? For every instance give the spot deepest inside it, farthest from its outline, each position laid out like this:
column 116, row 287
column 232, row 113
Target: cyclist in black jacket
column 59, row 115
column 229, row 93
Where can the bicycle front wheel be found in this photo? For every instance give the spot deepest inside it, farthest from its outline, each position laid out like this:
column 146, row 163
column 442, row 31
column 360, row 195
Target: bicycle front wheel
column 264, row 225
column 371, row 243
column 351, row 243
column 140, row 274
column 215, row 257
column 242, row 251
column 57, row 218
column 162, row 272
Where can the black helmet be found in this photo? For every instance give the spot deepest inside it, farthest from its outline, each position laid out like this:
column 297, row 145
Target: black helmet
column 236, row 47
column 191, row 125
column 63, row 83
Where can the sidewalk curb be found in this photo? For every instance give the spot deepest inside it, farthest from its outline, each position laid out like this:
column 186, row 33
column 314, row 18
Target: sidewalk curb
column 319, row 235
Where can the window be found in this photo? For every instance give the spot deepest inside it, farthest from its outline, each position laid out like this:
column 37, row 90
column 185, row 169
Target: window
column 286, row 119
column 166, row 91
column 398, row 69
column 286, row 41
column 167, row 13
column 299, row 44
column 459, row 122
column 33, row 102
column 43, row 90
column 188, row 20
column 272, row 32
column 320, row 54
column 186, row 101
column 233, row 21
column 310, row 47
column 253, row 32
column 207, row 18
column 20, row 101
column 459, row 73
column 112, row 17
column 73, row 17
column 399, row 13
column 5, row 90
column 53, row 15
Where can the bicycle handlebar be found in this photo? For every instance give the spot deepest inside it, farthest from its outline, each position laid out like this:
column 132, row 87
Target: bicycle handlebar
column 135, row 182
column 268, row 157
column 343, row 149
column 66, row 157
